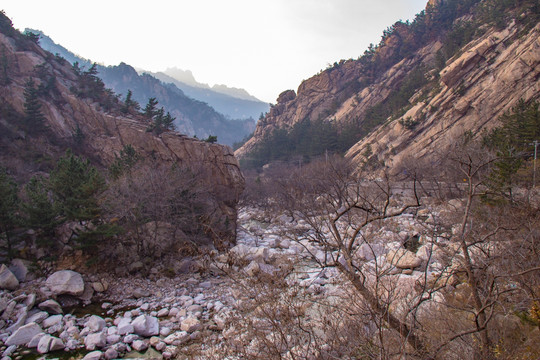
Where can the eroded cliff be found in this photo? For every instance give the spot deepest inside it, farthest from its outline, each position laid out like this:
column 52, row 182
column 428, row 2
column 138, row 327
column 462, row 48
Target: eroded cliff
column 456, row 68
column 97, row 130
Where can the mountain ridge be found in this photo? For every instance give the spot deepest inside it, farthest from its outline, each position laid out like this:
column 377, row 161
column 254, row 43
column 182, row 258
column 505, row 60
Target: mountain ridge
column 231, row 102
column 389, row 89
column 193, row 117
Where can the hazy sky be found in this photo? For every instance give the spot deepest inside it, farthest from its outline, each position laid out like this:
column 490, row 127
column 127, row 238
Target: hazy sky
column 263, row 46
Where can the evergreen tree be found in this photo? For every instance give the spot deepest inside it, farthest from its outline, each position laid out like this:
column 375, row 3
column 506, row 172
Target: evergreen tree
column 33, row 117
column 9, row 204
column 150, row 108
column 512, row 143
column 125, row 162
column 168, row 122
column 130, row 104
column 75, row 185
column 40, row 213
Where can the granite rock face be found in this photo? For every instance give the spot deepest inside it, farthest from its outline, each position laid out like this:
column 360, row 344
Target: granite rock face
column 482, row 81
column 107, row 131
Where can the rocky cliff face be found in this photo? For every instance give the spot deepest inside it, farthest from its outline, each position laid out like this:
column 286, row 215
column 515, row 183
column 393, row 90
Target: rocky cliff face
column 101, row 134
column 475, row 88
column 420, row 100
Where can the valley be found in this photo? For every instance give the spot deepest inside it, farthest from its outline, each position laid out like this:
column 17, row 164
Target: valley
column 386, row 209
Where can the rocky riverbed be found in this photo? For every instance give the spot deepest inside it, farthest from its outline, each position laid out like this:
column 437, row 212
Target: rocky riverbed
column 177, row 316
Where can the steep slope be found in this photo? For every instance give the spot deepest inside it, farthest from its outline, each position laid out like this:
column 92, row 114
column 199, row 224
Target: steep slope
column 92, row 125
column 193, row 117
column 475, row 88
column 456, row 67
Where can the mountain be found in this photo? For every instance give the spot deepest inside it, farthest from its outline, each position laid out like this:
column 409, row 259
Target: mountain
column 48, row 106
column 241, row 105
column 186, row 77
column 193, row 117
column 456, row 68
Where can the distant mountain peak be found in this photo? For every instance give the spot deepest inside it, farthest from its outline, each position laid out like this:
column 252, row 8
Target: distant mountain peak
column 185, row 76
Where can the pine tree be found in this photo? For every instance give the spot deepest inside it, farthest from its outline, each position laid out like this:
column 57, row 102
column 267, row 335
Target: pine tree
column 33, row 117
column 130, row 104
column 40, row 213
column 150, row 108
column 75, row 185
column 168, row 122
column 9, row 204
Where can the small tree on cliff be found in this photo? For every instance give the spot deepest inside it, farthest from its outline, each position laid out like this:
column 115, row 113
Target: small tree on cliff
column 130, row 104
column 33, row 117
column 150, row 108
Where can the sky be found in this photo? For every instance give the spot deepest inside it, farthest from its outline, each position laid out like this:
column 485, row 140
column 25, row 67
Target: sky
column 263, row 46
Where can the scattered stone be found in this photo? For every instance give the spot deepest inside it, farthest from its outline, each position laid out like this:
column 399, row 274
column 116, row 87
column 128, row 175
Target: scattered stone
column 100, row 286
column 177, row 338
column 146, row 326
column 128, row 339
column 173, row 312
column 95, row 323
column 125, row 327
column 19, row 269
column 9, row 351
column 163, row 313
column 66, row 282
column 49, row 343
column 52, row 320
column 51, row 306
column 191, row 324
column 194, row 308
column 160, row 346
column 93, row 341
column 139, row 345
column 140, row 293
column 94, row 355
column 164, row 331
column 24, row 334
column 111, row 354
column 113, row 339
column 8, row 281
column 87, row 294
column 35, row 340
column 403, row 259
column 206, row 285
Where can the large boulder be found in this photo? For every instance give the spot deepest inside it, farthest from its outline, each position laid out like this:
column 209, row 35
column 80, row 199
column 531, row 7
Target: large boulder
column 19, row 269
column 66, row 282
column 95, row 340
column 146, row 326
column 8, row 281
column 24, row 334
column 95, row 323
column 51, row 306
column 403, row 259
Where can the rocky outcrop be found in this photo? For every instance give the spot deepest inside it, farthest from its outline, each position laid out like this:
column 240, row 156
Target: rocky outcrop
column 485, row 78
column 101, row 133
column 476, row 88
